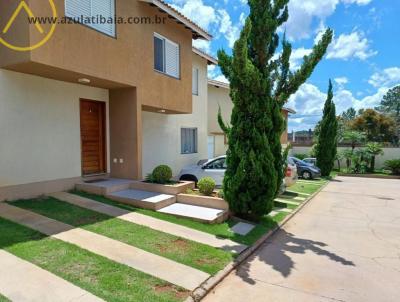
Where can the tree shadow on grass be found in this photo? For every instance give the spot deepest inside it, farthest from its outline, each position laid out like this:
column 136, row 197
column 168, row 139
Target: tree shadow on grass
column 276, row 253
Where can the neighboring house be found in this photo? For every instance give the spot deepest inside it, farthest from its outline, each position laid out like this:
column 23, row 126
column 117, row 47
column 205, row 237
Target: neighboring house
column 179, row 140
column 86, row 102
column 302, row 138
column 218, row 97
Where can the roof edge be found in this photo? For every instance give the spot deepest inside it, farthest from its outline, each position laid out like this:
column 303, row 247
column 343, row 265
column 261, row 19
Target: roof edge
column 210, row 59
column 197, row 31
column 218, row 84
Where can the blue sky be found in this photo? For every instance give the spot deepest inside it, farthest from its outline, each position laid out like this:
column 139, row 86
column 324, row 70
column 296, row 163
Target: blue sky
column 363, row 60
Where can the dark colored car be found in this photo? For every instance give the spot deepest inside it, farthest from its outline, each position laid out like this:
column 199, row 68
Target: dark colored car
column 306, row 170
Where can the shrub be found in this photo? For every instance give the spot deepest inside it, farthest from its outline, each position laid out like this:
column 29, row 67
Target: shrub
column 206, row 186
column 161, row 174
column 301, row 156
column 393, row 165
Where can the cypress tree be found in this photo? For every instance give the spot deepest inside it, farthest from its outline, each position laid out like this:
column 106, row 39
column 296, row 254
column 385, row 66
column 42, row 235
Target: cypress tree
column 261, row 84
column 326, row 149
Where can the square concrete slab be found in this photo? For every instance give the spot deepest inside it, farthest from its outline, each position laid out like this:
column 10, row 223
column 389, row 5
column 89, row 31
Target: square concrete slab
column 142, row 195
column 242, row 228
column 185, row 210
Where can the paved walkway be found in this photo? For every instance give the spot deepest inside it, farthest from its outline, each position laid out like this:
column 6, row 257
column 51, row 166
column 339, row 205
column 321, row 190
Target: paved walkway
column 156, row 224
column 173, row 272
column 21, row 281
column 343, row 246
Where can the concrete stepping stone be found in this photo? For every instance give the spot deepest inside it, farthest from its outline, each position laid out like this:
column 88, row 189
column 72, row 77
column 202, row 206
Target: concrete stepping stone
column 301, row 194
column 297, row 198
column 273, row 213
column 143, row 199
column 202, row 214
column 242, row 228
column 105, row 186
column 285, row 210
column 23, row 281
column 154, row 223
column 154, row 265
column 294, row 203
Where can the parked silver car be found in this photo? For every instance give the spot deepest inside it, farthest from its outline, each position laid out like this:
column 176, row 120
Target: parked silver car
column 216, row 167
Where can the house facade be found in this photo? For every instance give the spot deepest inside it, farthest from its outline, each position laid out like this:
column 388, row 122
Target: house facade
column 95, row 99
column 218, row 97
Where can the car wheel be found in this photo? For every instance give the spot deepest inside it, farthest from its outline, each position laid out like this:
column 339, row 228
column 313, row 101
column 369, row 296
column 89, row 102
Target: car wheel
column 188, row 177
column 307, row 175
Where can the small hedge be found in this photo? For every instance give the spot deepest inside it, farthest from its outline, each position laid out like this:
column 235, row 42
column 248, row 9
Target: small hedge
column 393, row 165
column 161, row 175
column 206, row 186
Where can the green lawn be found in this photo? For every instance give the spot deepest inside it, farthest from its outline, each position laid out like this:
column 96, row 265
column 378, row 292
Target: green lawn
column 197, row 255
column 220, row 230
column 104, row 278
column 3, row 299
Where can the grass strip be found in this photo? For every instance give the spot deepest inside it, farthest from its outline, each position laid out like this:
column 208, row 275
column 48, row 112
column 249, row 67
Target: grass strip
column 200, row 256
column 219, row 230
column 102, row 277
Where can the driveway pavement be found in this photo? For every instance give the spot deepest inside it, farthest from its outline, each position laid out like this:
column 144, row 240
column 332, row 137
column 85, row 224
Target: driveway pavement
column 343, row 246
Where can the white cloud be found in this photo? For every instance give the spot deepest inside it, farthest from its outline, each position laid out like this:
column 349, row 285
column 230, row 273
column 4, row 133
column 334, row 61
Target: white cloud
column 297, row 56
column 341, row 81
column 386, row 77
column 230, row 31
column 204, row 15
column 303, row 14
column 203, row 45
column 353, row 45
column 309, row 102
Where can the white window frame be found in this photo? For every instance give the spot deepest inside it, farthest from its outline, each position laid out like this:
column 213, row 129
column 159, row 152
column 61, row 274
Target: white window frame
column 195, row 81
column 195, row 140
column 97, row 27
column 178, row 67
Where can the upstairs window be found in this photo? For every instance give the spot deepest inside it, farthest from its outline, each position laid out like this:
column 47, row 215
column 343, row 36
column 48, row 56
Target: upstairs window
column 195, row 81
column 96, row 14
column 188, row 140
column 166, row 56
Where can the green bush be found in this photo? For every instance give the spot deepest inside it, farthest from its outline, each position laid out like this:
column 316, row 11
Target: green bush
column 393, row 165
column 161, row 174
column 301, row 156
column 206, row 186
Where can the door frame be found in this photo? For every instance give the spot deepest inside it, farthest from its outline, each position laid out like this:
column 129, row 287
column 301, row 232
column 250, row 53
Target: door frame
column 103, row 141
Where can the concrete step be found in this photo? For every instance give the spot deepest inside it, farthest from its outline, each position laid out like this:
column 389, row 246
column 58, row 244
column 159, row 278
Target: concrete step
column 143, row 199
column 202, row 214
column 104, row 186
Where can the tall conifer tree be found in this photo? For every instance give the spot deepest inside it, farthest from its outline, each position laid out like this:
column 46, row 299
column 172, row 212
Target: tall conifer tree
column 326, row 149
column 261, row 84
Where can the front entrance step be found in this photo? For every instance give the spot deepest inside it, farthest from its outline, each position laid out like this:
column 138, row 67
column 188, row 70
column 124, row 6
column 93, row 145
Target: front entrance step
column 201, row 214
column 104, row 186
column 143, row 199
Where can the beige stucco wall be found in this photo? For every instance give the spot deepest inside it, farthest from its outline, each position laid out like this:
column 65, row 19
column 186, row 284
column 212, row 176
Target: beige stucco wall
column 40, row 128
column 162, row 132
column 218, row 97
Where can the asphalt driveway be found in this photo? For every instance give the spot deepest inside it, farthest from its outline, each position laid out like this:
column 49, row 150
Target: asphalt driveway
column 343, row 246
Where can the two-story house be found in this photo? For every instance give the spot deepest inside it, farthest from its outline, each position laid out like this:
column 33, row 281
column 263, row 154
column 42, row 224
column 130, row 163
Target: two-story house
column 94, row 99
column 218, row 97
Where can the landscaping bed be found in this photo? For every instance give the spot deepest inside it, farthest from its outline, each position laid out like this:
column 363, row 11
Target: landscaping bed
column 222, row 230
column 172, row 188
column 194, row 197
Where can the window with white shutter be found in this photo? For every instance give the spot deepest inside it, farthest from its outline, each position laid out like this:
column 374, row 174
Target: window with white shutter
column 100, row 11
column 195, row 81
column 166, row 56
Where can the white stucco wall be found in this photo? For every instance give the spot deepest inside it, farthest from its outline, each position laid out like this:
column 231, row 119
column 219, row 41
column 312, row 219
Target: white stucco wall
column 389, row 153
column 40, row 128
column 162, row 132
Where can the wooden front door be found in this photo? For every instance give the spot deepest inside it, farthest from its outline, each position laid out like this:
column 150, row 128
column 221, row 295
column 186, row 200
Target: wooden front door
column 93, row 137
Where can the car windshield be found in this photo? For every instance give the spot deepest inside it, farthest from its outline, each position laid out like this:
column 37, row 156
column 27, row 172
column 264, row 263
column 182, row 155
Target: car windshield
column 301, row 162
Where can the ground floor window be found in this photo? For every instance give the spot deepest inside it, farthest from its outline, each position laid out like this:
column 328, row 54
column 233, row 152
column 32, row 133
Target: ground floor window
column 188, row 140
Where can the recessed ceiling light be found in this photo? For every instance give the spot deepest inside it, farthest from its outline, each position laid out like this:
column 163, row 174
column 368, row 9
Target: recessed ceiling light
column 84, row 80
column 161, row 111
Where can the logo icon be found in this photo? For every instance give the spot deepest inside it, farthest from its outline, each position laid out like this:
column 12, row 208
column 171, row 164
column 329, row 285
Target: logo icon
column 45, row 36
